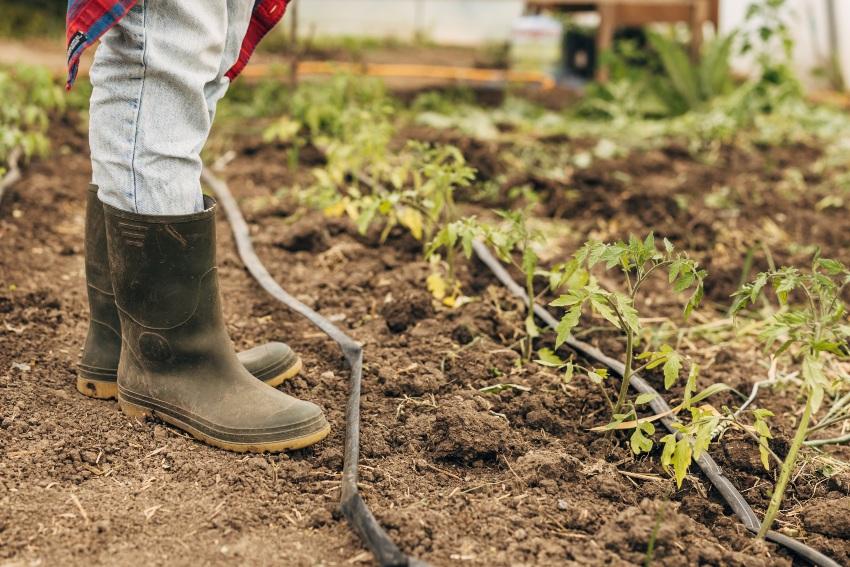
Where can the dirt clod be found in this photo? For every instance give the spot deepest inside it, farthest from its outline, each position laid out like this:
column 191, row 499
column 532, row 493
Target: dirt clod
column 405, row 310
column 828, row 516
column 465, row 430
column 538, row 465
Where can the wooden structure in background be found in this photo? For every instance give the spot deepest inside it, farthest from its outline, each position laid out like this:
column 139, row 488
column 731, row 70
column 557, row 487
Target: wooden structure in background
column 615, row 14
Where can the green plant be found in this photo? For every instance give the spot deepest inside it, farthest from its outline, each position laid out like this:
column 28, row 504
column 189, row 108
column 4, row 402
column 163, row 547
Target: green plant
column 414, row 188
column 265, row 98
column 810, row 332
column 321, row 106
column 687, row 85
column 669, row 83
column 29, row 95
column 636, row 260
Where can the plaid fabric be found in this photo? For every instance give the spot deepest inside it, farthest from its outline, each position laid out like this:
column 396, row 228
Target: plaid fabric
column 87, row 20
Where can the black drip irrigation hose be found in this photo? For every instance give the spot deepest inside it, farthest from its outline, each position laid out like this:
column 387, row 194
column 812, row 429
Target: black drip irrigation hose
column 352, row 505
column 708, row 465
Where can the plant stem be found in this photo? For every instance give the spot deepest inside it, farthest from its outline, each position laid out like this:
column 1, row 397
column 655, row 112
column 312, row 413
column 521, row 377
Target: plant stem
column 529, row 290
column 787, row 469
column 627, row 374
column 449, row 215
column 450, row 260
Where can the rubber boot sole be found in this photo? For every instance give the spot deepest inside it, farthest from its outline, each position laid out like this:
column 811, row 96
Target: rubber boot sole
column 286, row 374
column 98, row 389
column 108, row 389
column 136, row 411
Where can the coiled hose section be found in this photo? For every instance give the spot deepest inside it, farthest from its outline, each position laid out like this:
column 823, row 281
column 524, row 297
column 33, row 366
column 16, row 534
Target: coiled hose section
column 708, row 466
column 352, row 505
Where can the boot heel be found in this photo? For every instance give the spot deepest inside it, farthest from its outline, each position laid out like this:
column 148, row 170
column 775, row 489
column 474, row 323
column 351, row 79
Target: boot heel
column 97, row 388
column 132, row 410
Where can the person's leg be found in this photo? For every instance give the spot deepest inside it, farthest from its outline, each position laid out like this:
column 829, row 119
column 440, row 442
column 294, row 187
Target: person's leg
column 149, row 113
column 157, row 78
column 119, row 75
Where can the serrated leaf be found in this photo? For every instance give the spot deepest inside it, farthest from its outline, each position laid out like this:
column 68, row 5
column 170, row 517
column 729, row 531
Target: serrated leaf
column 682, row 456
column 567, row 323
column 600, row 305
column 598, row 377
column 757, row 286
column 690, row 384
column 764, row 453
column 832, row 267
column 817, row 397
column 707, row 425
column 569, row 299
column 669, row 442
column 627, row 311
column 639, row 443
column 529, row 260
column 615, row 422
column 672, row 368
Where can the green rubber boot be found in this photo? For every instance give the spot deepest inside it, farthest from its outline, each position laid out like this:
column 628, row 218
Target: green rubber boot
column 177, row 361
column 96, row 374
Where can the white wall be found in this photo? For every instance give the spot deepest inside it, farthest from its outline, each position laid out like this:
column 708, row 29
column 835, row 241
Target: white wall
column 457, row 22
column 470, row 22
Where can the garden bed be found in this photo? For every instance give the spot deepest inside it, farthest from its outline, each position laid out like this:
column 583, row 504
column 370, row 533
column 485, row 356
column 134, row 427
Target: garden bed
column 454, row 475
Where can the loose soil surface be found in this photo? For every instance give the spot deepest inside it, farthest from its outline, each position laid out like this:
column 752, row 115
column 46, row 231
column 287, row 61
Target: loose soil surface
column 454, row 475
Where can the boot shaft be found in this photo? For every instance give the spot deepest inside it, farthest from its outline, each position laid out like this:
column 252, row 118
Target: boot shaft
column 97, row 262
column 98, row 369
column 103, row 341
column 166, row 288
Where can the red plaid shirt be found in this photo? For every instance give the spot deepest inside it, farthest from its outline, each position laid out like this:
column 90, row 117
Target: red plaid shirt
column 87, row 20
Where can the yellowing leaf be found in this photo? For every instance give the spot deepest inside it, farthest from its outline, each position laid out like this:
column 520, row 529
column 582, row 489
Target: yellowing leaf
column 412, row 220
column 682, row 456
column 336, row 210
column 548, row 358
column 437, row 286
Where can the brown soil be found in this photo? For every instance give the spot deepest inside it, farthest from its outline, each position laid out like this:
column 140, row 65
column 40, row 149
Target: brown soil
column 453, row 474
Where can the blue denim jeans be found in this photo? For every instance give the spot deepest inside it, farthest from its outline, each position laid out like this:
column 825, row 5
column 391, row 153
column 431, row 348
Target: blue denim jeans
column 157, row 77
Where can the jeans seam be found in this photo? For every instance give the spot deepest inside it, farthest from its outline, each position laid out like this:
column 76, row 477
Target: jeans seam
column 139, row 105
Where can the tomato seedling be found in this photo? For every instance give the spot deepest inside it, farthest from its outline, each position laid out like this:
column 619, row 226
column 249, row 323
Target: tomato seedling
column 809, row 331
